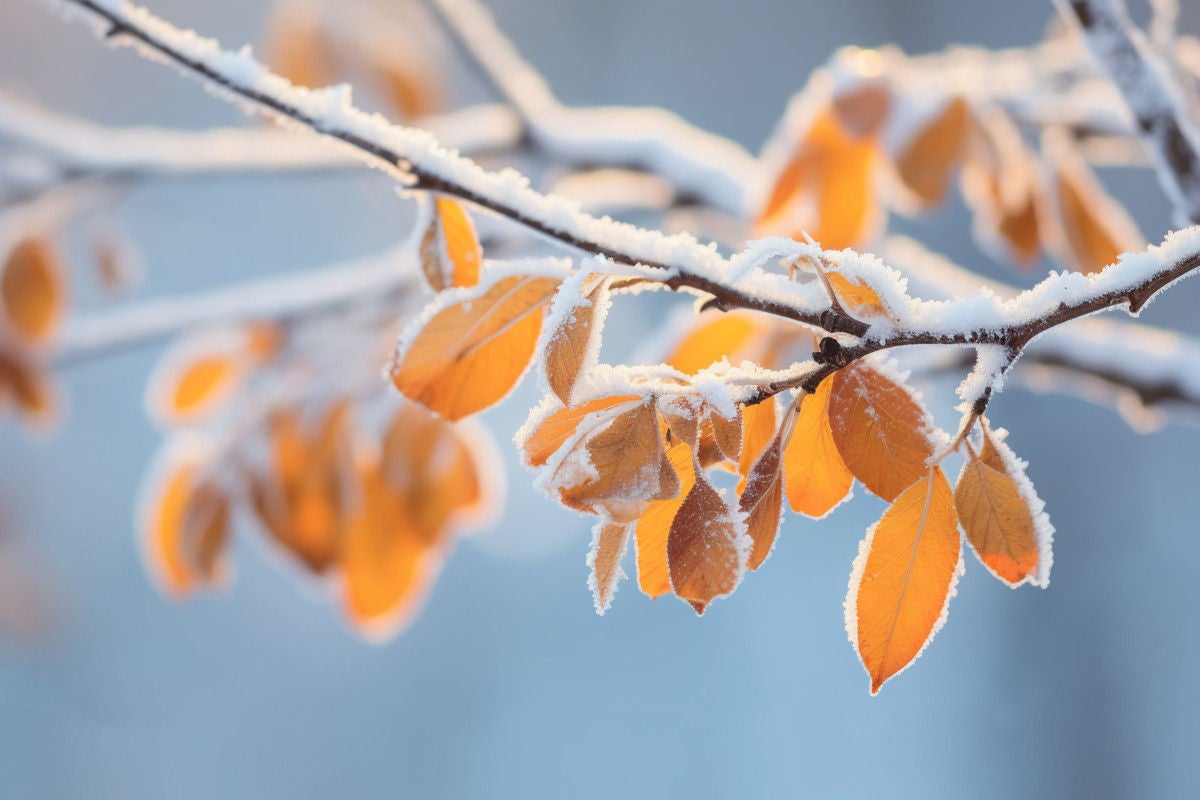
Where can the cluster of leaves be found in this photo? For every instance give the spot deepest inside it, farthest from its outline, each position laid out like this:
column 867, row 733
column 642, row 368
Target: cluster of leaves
column 866, row 139
column 643, row 460
column 366, row 496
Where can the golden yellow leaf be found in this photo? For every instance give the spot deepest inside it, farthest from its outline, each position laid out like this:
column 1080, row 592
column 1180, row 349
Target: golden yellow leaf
column 879, row 430
column 450, row 252
column 815, row 477
column 930, row 157
column 1094, row 230
column 653, row 528
column 703, row 553
column 387, row 565
column 828, row 188
column 575, row 342
column 903, row 578
column 609, row 541
column 858, row 298
column 762, row 503
column 471, row 353
column 552, row 432
column 32, row 287
column 187, row 530
column 715, row 336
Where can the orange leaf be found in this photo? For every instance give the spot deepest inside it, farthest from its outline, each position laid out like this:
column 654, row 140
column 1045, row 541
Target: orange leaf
column 815, row 477
column 903, row 578
column 857, row 297
column 32, row 287
column 759, row 422
column 450, row 250
column 762, row 503
column 931, row 155
column 572, row 346
column 387, row 565
column 409, row 89
column 827, row 189
column 879, row 429
column 997, row 521
column 862, row 110
column 202, row 373
column 714, row 336
column 472, row 352
column 186, row 530
column 298, row 49
column 549, row 434
column 654, row 526
column 609, row 541
column 704, row 555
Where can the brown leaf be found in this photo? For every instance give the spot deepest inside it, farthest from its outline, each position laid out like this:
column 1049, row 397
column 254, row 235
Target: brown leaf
column 704, row 555
column 25, row 383
column 609, row 541
column 903, row 578
column 759, row 423
column 625, row 460
column 727, row 432
column 33, row 288
column 572, row 346
column 472, row 352
column 762, row 503
column 880, row 430
column 862, row 110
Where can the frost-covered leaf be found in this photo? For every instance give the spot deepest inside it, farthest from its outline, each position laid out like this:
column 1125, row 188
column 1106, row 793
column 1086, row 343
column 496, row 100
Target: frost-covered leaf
column 727, row 432
column 815, row 477
column 759, row 423
column 543, row 437
column 573, row 344
column 880, row 430
column 996, row 521
column 410, row 89
column 762, row 503
column 609, row 542
column 202, row 373
column 705, row 554
column 1001, row 185
column 472, row 352
column 903, row 578
column 625, row 467
column 33, row 288
column 450, row 251
column 654, row 525
column 858, row 298
column 863, row 109
column 298, row 48
column 928, row 158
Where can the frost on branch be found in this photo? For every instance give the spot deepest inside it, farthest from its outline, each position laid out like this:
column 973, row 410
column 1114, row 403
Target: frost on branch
column 775, row 388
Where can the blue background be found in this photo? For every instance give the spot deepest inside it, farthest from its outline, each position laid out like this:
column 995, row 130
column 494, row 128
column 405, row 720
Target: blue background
column 508, row 685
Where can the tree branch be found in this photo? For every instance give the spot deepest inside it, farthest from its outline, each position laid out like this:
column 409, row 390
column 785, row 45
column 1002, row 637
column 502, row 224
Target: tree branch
column 1161, row 119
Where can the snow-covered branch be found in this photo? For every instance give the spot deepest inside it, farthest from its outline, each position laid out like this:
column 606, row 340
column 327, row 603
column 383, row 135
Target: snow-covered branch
column 1144, row 82
column 716, row 170
column 415, row 158
column 281, row 299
